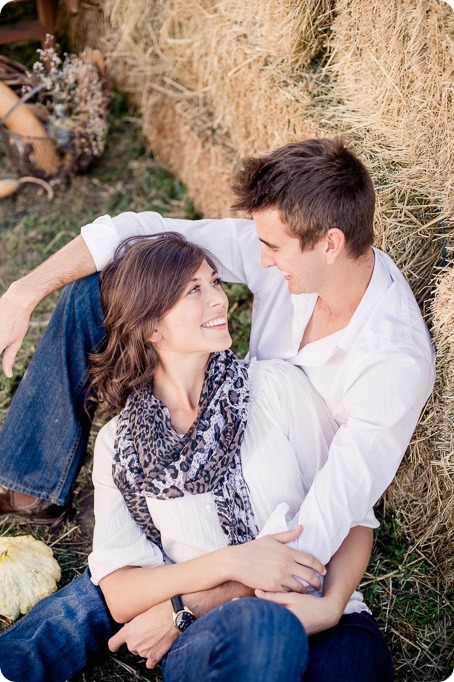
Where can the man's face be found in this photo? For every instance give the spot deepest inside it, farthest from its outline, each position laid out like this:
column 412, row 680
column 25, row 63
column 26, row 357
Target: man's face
column 303, row 270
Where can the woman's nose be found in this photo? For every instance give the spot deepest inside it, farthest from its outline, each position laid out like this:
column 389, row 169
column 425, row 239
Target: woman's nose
column 218, row 297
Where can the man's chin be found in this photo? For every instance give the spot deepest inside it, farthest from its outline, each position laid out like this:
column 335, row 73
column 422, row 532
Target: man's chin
column 294, row 287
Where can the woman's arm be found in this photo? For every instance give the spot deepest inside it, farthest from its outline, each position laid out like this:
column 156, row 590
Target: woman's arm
column 344, row 573
column 266, row 563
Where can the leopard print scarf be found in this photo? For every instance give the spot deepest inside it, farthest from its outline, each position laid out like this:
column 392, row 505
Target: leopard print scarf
column 151, row 459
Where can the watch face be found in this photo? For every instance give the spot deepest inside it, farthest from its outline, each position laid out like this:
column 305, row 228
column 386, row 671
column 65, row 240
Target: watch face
column 183, row 619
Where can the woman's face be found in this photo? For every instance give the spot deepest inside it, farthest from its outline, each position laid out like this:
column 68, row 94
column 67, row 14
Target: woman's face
column 198, row 322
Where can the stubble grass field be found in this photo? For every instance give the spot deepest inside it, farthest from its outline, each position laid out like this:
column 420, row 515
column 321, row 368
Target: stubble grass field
column 405, row 592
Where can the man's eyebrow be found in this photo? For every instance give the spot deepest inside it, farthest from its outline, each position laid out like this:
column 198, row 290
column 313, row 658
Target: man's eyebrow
column 270, row 246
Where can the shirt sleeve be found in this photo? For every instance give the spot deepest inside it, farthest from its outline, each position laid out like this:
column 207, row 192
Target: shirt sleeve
column 118, row 540
column 382, row 404
column 233, row 242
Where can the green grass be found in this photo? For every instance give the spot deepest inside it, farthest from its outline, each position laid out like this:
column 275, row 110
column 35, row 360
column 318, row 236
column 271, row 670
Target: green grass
column 407, row 597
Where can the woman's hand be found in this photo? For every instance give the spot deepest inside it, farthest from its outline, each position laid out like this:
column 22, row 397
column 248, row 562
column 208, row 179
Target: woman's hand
column 315, row 613
column 267, row 563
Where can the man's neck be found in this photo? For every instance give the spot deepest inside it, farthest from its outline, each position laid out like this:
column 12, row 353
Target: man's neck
column 339, row 299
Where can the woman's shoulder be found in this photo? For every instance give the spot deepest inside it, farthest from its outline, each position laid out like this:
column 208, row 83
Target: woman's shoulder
column 107, row 432
column 104, row 445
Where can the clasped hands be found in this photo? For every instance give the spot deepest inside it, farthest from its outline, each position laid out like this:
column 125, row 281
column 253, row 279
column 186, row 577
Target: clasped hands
column 267, row 565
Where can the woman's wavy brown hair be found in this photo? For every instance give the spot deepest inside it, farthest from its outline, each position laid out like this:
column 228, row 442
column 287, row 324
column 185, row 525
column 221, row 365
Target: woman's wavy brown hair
column 145, row 279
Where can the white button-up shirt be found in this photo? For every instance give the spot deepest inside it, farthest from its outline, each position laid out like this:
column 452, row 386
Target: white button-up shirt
column 375, row 375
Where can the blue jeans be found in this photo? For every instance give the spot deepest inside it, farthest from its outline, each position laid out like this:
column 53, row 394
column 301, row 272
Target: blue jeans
column 245, row 641
column 44, row 437
column 252, row 640
column 60, row 637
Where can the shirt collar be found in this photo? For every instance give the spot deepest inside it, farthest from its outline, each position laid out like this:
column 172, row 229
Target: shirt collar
column 379, row 283
column 318, row 353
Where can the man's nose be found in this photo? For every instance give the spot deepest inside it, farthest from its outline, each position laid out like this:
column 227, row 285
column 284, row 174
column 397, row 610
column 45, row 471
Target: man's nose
column 266, row 258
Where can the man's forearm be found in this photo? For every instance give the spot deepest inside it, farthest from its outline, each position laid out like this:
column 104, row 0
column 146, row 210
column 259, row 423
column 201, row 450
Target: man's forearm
column 71, row 262
column 18, row 303
column 206, row 600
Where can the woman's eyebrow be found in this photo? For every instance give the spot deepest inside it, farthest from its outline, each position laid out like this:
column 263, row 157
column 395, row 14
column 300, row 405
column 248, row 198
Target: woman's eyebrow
column 197, row 279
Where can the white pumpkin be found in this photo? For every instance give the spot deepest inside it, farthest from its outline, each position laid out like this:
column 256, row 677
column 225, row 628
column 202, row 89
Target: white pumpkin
column 28, row 573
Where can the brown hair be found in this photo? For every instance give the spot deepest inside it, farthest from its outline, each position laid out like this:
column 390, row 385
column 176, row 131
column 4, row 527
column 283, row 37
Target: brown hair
column 145, row 279
column 315, row 185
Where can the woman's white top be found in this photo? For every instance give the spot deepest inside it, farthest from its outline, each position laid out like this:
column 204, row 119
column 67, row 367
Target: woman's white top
column 286, row 442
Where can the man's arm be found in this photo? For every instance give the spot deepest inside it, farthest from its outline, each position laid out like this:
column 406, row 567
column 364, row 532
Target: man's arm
column 152, row 634
column 18, row 303
column 344, row 573
column 233, row 242
column 382, row 406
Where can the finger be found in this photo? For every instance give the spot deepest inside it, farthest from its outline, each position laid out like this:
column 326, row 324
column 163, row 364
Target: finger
column 158, row 652
column 278, row 597
column 304, row 573
column 116, row 641
column 288, row 535
column 307, row 560
column 8, row 359
column 294, row 585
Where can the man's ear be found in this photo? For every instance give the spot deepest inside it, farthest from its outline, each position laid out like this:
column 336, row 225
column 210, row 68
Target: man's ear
column 334, row 244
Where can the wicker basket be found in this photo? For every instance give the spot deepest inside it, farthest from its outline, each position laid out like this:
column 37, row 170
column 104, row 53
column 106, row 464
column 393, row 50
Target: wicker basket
column 30, row 154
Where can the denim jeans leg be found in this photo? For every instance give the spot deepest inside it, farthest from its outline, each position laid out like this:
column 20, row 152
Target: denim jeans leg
column 353, row 651
column 44, row 438
column 59, row 637
column 245, row 641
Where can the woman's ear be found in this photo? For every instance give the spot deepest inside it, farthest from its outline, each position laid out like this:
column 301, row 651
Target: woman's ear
column 156, row 336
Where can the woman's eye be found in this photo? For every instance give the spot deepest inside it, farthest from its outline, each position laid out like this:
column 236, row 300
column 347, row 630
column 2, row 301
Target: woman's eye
column 194, row 289
column 217, row 281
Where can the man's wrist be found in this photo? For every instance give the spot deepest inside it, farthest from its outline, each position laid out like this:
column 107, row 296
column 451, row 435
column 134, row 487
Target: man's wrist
column 25, row 295
column 203, row 602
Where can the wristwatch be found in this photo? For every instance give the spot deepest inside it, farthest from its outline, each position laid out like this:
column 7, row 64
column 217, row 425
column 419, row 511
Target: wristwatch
column 182, row 616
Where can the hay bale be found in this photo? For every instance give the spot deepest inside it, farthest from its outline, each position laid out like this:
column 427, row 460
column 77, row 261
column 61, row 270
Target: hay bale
column 423, row 491
column 184, row 143
column 240, row 60
column 394, row 66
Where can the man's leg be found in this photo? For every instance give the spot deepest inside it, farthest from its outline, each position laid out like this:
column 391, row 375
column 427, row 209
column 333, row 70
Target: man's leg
column 59, row 637
column 245, row 640
column 354, row 650
column 44, row 437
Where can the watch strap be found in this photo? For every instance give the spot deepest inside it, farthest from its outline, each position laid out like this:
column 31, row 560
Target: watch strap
column 177, row 603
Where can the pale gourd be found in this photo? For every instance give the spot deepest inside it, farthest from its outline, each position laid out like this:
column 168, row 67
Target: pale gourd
column 28, row 573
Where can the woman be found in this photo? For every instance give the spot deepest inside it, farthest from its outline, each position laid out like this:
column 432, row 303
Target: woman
column 201, row 458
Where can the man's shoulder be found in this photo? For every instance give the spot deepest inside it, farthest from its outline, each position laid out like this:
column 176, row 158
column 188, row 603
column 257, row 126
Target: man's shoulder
column 395, row 323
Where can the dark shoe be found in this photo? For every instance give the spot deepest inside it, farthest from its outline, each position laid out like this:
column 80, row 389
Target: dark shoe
column 39, row 513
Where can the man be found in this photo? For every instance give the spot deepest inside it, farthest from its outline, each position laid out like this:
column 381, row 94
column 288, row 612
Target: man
column 323, row 300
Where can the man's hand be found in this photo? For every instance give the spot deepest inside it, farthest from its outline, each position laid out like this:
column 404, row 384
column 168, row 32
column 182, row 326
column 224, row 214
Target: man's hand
column 14, row 322
column 315, row 613
column 149, row 635
column 17, row 304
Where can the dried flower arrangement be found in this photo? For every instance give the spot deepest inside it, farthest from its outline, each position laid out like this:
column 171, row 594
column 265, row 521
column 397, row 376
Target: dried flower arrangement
column 70, row 98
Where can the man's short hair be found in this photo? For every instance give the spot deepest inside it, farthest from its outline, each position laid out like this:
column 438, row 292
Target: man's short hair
column 315, row 185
